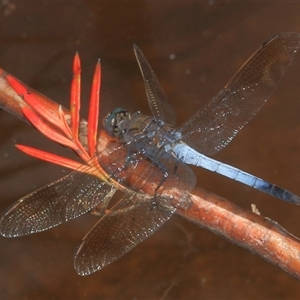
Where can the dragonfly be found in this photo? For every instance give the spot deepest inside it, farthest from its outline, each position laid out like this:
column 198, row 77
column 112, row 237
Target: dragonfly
column 150, row 150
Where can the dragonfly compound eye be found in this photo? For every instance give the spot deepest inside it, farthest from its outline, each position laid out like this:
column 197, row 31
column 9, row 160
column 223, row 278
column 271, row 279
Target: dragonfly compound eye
column 112, row 121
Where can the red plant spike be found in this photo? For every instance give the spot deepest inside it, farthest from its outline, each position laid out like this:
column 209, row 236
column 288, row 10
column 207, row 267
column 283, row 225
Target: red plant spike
column 49, row 157
column 64, row 128
column 35, row 102
column 94, row 110
column 75, row 97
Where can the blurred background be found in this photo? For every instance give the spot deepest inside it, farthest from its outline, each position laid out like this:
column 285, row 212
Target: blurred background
column 195, row 48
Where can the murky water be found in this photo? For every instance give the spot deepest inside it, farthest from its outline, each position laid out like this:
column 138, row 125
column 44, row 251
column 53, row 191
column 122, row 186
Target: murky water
column 194, row 49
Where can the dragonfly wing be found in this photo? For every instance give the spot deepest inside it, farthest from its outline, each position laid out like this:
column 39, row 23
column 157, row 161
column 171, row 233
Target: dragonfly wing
column 148, row 204
column 55, row 203
column 62, row 200
column 159, row 104
column 130, row 222
column 213, row 127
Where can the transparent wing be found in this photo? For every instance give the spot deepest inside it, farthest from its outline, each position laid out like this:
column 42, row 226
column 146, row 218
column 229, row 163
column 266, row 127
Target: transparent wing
column 137, row 215
column 159, row 104
column 213, row 127
column 55, row 203
column 60, row 201
column 130, row 222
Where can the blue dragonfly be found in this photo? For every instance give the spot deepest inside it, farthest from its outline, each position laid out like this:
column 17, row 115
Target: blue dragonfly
column 166, row 152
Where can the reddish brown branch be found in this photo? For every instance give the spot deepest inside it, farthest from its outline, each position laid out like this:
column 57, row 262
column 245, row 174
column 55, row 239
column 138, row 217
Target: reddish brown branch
column 9, row 100
column 251, row 231
column 258, row 234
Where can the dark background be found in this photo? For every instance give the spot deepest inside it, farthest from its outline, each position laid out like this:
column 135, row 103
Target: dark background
column 210, row 41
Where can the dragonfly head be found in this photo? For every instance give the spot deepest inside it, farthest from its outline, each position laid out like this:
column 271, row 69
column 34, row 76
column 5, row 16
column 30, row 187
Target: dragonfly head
column 112, row 122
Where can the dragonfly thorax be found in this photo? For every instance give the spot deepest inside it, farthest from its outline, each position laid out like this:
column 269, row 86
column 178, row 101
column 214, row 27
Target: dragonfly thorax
column 147, row 133
column 135, row 129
